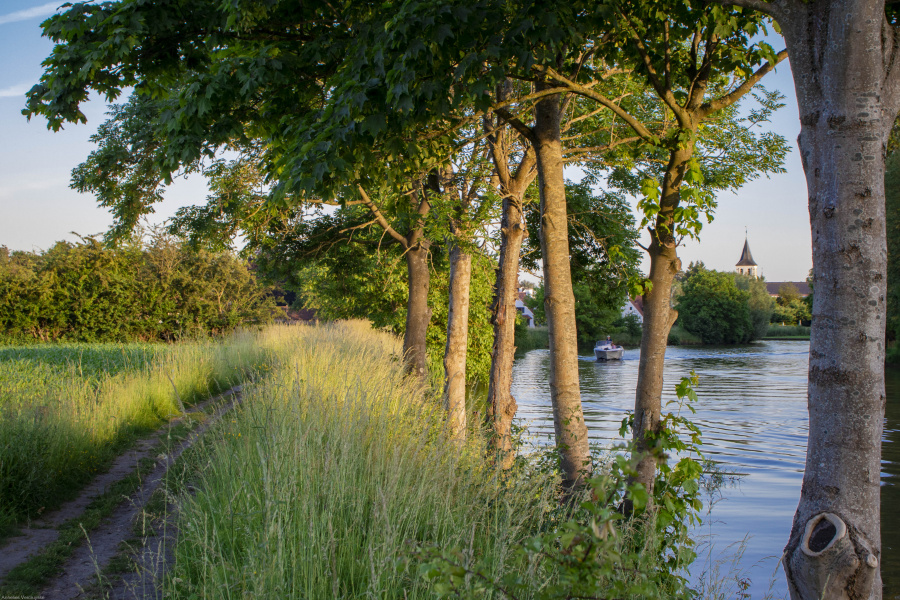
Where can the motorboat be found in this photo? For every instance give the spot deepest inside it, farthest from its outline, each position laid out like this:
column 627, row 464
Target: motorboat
column 606, row 350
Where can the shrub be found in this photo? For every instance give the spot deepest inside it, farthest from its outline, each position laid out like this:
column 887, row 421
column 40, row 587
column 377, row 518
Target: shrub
column 160, row 290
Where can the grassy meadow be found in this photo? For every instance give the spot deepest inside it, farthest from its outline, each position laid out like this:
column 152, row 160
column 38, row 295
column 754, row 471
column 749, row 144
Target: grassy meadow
column 67, row 409
column 322, row 483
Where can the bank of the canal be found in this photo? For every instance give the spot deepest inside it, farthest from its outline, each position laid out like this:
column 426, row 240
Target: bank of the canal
column 752, row 410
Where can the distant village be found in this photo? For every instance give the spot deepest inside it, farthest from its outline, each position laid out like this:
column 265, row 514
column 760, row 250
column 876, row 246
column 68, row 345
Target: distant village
column 635, row 305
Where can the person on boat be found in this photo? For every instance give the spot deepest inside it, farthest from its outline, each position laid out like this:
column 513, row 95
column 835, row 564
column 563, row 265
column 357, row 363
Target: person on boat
column 609, row 341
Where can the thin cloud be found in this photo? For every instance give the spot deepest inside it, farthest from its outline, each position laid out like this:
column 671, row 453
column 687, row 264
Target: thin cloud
column 44, row 10
column 15, row 91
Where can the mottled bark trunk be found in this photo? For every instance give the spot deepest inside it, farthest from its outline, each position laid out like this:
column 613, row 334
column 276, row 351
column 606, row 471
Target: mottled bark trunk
column 847, row 105
column 418, row 313
column 559, row 300
column 659, row 316
column 457, row 341
column 501, row 406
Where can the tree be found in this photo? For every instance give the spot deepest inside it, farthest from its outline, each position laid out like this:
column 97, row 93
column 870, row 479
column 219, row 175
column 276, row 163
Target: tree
column 514, row 163
column 844, row 57
column 712, row 307
column 790, row 308
column 760, row 304
column 699, row 61
column 235, row 77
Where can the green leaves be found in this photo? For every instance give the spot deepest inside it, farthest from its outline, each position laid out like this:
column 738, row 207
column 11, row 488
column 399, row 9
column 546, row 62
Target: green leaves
column 713, row 307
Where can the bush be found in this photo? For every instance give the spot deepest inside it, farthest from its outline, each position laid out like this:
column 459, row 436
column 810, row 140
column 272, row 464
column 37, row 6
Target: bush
column 160, row 290
column 594, row 551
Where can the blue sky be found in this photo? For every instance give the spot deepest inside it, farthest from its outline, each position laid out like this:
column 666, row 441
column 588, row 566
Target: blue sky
column 38, row 208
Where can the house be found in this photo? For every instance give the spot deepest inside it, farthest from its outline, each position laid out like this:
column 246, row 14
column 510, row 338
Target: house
column 522, row 309
column 634, row 306
column 773, row 287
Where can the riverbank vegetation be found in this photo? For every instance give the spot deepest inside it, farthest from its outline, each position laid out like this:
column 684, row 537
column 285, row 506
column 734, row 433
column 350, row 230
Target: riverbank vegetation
column 787, row 332
column 338, row 477
column 67, row 409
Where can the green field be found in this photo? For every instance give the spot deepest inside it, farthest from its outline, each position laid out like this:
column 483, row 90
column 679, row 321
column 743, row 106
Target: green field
column 67, row 409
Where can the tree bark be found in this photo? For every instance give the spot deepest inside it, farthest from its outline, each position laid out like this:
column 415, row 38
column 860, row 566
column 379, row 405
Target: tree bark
column 659, row 316
column 457, row 341
column 847, row 94
column 418, row 313
column 502, row 406
column 559, row 300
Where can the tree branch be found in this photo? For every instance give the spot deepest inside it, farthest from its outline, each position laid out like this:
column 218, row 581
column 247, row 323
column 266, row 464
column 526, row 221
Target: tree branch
column 734, row 96
column 773, row 9
column 663, row 90
column 380, row 218
column 600, row 98
column 523, row 129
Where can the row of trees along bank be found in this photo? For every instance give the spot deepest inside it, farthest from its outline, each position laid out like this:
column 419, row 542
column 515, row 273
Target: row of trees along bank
column 437, row 116
column 158, row 290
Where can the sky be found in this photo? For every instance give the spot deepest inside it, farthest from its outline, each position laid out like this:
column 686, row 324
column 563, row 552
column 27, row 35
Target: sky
column 37, row 208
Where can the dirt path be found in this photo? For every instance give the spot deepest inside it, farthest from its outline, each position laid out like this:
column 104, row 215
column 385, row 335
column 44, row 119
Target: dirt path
column 81, row 569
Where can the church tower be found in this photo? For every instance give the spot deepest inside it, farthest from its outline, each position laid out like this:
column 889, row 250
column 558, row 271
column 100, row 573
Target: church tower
column 746, row 265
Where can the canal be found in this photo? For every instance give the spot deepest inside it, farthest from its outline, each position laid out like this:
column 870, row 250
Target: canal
column 752, row 411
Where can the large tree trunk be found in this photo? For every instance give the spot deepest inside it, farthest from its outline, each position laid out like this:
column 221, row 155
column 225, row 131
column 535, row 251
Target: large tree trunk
column 501, row 406
column 559, row 301
column 659, row 316
column 457, row 340
column 836, row 50
column 418, row 313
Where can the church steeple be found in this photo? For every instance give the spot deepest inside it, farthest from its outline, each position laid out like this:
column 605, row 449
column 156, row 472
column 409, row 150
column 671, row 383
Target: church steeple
column 746, row 265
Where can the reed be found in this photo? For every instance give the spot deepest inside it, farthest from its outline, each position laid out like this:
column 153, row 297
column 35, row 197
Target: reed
column 788, row 331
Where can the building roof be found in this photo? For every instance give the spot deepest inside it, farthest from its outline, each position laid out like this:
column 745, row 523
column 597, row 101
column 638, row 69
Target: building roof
column 773, row 286
column 746, row 257
column 638, row 303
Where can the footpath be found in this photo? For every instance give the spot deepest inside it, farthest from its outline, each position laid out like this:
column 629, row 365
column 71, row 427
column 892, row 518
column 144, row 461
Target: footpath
column 106, row 543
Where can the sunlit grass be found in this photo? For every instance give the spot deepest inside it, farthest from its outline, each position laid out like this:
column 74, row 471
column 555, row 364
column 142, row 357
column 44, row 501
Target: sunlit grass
column 332, row 471
column 66, row 410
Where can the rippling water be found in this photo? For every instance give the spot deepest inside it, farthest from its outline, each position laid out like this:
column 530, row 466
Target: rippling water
column 752, row 410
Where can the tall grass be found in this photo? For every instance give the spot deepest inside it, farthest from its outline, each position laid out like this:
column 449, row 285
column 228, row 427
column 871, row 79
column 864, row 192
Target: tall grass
column 67, row 410
column 788, row 331
column 333, row 469
column 531, row 338
column 679, row 336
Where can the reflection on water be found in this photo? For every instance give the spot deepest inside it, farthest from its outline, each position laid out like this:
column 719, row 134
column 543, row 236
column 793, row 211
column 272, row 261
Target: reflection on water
column 752, row 410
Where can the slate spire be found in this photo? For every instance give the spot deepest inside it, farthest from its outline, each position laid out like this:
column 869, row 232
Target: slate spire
column 746, row 257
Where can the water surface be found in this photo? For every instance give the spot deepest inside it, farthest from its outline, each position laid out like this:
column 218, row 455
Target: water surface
column 752, row 410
